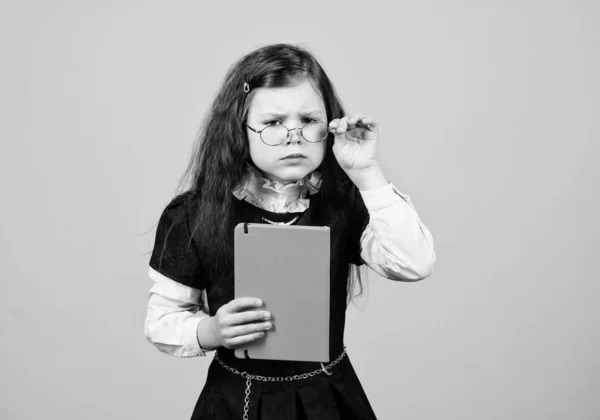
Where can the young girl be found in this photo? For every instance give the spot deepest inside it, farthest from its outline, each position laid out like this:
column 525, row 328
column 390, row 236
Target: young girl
column 277, row 148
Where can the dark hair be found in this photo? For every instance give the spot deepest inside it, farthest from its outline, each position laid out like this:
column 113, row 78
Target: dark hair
column 221, row 151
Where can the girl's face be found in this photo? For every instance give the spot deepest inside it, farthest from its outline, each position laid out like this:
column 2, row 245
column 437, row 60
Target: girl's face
column 293, row 107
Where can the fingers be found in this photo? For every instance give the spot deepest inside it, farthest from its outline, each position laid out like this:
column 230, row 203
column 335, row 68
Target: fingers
column 341, row 125
column 369, row 123
column 233, row 335
column 248, row 316
column 239, row 322
column 242, row 304
column 353, row 120
column 246, row 329
column 241, row 340
column 237, row 327
column 242, row 311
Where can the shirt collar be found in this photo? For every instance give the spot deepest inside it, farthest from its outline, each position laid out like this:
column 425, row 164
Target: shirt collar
column 273, row 195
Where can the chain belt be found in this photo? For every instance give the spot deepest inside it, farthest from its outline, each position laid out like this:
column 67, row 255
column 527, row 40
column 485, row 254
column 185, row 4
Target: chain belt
column 249, row 377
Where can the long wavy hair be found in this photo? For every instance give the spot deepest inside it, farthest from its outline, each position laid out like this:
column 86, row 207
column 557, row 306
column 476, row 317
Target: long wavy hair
column 221, row 151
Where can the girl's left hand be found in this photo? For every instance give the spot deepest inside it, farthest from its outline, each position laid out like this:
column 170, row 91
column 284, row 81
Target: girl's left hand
column 355, row 142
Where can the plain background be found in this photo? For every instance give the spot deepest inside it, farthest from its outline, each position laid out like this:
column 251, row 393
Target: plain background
column 489, row 121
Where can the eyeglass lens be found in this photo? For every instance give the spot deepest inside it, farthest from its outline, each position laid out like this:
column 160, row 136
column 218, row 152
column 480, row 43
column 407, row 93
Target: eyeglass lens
column 277, row 134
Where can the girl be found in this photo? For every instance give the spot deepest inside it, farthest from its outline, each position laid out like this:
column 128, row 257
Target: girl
column 277, row 148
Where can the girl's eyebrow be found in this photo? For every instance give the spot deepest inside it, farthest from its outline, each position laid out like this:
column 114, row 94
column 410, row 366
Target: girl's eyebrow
column 281, row 115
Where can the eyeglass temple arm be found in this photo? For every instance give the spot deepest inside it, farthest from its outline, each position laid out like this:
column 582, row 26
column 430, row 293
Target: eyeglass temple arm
column 252, row 128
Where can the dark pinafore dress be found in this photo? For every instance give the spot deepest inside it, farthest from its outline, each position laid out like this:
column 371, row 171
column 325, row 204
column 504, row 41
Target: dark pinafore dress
column 338, row 395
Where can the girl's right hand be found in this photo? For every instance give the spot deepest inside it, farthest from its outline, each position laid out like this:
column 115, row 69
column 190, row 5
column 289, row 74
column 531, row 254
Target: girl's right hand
column 238, row 322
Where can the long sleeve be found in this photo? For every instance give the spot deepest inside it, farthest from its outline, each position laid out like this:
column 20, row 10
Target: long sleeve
column 396, row 244
column 172, row 316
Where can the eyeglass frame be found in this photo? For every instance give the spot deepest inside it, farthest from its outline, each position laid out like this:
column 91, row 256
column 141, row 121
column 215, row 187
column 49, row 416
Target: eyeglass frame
column 259, row 132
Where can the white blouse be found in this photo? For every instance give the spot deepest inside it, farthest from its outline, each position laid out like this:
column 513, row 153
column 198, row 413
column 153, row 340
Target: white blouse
column 395, row 244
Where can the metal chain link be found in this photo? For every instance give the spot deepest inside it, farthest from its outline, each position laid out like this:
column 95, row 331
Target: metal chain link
column 261, row 378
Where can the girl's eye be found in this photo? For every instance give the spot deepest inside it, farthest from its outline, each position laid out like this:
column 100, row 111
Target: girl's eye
column 305, row 120
column 272, row 122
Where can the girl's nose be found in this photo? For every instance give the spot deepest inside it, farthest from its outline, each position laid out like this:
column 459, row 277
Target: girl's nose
column 294, row 135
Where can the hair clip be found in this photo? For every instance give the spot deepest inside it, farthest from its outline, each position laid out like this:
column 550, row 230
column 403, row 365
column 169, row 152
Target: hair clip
column 246, row 87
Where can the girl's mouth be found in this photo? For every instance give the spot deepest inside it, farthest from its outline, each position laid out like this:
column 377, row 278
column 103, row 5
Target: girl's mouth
column 294, row 156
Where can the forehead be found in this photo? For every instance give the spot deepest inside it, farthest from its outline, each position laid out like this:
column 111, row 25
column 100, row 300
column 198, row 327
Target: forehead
column 300, row 97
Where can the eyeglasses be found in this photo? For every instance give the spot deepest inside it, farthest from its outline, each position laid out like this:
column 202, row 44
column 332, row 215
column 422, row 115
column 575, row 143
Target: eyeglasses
column 274, row 135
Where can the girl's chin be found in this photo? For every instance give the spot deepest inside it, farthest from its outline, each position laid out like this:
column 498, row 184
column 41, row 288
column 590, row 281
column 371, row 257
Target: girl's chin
column 289, row 175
